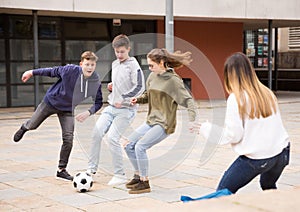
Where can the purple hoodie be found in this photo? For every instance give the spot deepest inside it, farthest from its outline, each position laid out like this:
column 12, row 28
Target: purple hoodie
column 71, row 88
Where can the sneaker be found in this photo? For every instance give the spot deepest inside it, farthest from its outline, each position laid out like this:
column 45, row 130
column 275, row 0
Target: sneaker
column 133, row 182
column 141, row 187
column 19, row 134
column 90, row 171
column 117, row 179
column 64, row 175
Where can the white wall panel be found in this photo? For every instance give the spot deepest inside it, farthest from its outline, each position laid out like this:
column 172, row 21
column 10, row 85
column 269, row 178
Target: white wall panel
column 229, row 9
column 62, row 5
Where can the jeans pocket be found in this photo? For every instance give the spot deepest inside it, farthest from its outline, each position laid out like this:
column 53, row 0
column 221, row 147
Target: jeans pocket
column 131, row 114
column 286, row 155
column 260, row 165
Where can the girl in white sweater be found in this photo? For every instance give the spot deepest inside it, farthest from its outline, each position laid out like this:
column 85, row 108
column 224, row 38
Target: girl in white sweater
column 253, row 127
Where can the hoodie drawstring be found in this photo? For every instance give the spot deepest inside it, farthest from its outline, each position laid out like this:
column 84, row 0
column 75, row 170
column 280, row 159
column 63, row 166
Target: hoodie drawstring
column 81, row 83
column 86, row 88
column 81, row 86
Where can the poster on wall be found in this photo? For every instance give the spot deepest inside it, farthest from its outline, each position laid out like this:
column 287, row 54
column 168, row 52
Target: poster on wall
column 260, row 50
column 265, row 62
column 250, row 51
column 266, row 39
column 259, row 62
column 260, row 39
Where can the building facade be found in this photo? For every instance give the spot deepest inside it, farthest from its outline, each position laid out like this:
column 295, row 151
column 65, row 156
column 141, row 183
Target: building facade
column 210, row 30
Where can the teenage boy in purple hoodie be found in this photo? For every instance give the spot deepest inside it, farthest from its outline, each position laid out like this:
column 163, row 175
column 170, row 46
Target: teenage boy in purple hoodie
column 75, row 83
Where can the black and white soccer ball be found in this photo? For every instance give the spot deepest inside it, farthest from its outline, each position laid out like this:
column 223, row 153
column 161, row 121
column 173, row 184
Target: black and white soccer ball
column 83, row 181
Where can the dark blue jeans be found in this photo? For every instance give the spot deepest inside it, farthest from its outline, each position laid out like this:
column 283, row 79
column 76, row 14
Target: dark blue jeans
column 66, row 120
column 244, row 169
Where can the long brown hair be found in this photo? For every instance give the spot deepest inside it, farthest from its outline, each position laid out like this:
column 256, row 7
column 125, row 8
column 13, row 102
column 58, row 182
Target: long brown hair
column 240, row 78
column 171, row 60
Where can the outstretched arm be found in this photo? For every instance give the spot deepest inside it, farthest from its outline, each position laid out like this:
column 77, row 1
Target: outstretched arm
column 56, row 71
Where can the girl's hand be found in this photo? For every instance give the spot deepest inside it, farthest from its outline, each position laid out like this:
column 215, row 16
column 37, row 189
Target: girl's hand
column 109, row 86
column 194, row 127
column 133, row 101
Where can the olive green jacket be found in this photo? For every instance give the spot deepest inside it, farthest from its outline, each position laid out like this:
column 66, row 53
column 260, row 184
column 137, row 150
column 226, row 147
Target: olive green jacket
column 164, row 93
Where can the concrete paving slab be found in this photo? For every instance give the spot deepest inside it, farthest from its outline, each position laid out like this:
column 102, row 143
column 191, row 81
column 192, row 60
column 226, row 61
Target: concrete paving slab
column 27, row 171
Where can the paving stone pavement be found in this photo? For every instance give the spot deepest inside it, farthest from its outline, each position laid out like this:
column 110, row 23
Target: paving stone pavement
column 178, row 166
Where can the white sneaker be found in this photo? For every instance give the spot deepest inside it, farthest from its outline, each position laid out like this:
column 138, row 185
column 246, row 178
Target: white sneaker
column 118, row 179
column 90, row 171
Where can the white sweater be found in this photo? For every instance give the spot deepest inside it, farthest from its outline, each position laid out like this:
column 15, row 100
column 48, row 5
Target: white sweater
column 255, row 138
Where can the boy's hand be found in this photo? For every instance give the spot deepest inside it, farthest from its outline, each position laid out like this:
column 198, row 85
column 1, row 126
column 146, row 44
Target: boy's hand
column 82, row 116
column 26, row 75
column 109, row 86
column 124, row 141
column 118, row 105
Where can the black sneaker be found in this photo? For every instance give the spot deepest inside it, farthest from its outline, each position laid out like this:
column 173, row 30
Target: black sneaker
column 19, row 134
column 141, row 187
column 133, row 182
column 64, row 175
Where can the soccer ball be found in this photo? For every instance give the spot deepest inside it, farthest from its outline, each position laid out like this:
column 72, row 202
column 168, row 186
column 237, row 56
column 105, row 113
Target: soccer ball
column 82, row 181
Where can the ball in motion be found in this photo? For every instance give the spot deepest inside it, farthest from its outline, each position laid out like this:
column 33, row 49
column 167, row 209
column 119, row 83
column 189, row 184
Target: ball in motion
column 82, row 182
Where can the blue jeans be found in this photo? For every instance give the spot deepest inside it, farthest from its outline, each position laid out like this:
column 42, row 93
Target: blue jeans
column 244, row 169
column 66, row 120
column 143, row 138
column 113, row 121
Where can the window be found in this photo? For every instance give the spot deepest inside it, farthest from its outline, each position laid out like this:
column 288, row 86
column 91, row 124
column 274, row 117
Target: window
column 49, row 28
column 2, row 62
column 22, row 95
column 21, row 49
column 86, row 29
column 256, row 47
column 1, row 26
column 2, row 73
column 17, row 69
column 74, row 48
column 3, row 98
column 61, row 40
column 49, row 50
column 20, row 26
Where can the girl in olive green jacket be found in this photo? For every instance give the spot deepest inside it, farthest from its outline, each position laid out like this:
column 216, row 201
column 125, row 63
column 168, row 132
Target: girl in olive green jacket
column 165, row 91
